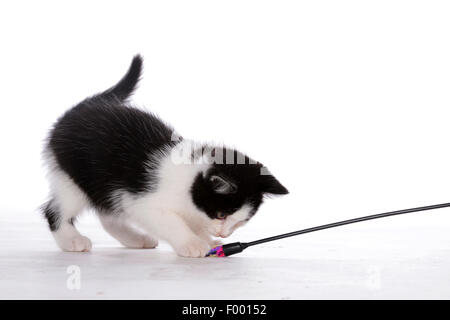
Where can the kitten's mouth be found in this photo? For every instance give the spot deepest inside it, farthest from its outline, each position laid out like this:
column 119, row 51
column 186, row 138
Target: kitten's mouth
column 221, row 234
column 219, row 229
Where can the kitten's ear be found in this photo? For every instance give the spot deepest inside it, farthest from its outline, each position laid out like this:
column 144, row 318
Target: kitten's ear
column 269, row 184
column 222, row 185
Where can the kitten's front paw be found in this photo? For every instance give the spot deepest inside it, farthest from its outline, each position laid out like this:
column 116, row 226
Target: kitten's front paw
column 193, row 248
column 149, row 242
column 76, row 244
column 215, row 243
column 211, row 241
column 140, row 242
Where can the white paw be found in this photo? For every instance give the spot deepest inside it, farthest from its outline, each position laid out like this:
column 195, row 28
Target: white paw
column 76, row 244
column 149, row 242
column 211, row 241
column 193, row 248
column 140, row 242
column 215, row 243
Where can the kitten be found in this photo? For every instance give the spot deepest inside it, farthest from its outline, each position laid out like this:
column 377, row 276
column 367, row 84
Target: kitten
column 145, row 181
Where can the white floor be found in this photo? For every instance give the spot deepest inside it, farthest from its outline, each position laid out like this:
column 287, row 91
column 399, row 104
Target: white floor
column 364, row 261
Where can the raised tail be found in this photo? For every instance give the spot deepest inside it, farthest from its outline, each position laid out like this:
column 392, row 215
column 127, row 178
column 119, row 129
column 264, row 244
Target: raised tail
column 126, row 86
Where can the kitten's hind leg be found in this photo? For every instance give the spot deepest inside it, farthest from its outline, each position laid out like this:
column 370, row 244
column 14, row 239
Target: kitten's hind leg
column 125, row 233
column 63, row 230
column 61, row 210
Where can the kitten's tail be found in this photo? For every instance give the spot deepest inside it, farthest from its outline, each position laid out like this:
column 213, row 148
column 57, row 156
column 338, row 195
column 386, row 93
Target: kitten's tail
column 126, row 86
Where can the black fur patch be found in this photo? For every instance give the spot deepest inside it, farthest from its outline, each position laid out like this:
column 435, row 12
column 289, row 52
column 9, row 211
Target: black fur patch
column 103, row 144
column 52, row 215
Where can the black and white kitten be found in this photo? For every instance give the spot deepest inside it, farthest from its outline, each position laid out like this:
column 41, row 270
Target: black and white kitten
column 144, row 180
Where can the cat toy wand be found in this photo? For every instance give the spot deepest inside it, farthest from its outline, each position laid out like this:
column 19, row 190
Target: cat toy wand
column 237, row 247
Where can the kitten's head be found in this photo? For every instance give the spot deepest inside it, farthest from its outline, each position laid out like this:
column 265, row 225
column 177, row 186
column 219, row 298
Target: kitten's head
column 231, row 190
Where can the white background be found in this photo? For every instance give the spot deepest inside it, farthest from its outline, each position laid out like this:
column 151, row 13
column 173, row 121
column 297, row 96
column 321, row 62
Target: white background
column 346, row 102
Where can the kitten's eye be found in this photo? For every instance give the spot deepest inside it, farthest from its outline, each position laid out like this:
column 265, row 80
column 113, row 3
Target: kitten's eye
column 221, row 215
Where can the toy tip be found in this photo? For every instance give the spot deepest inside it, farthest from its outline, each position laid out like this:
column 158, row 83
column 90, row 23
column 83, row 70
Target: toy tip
column 216, row 252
